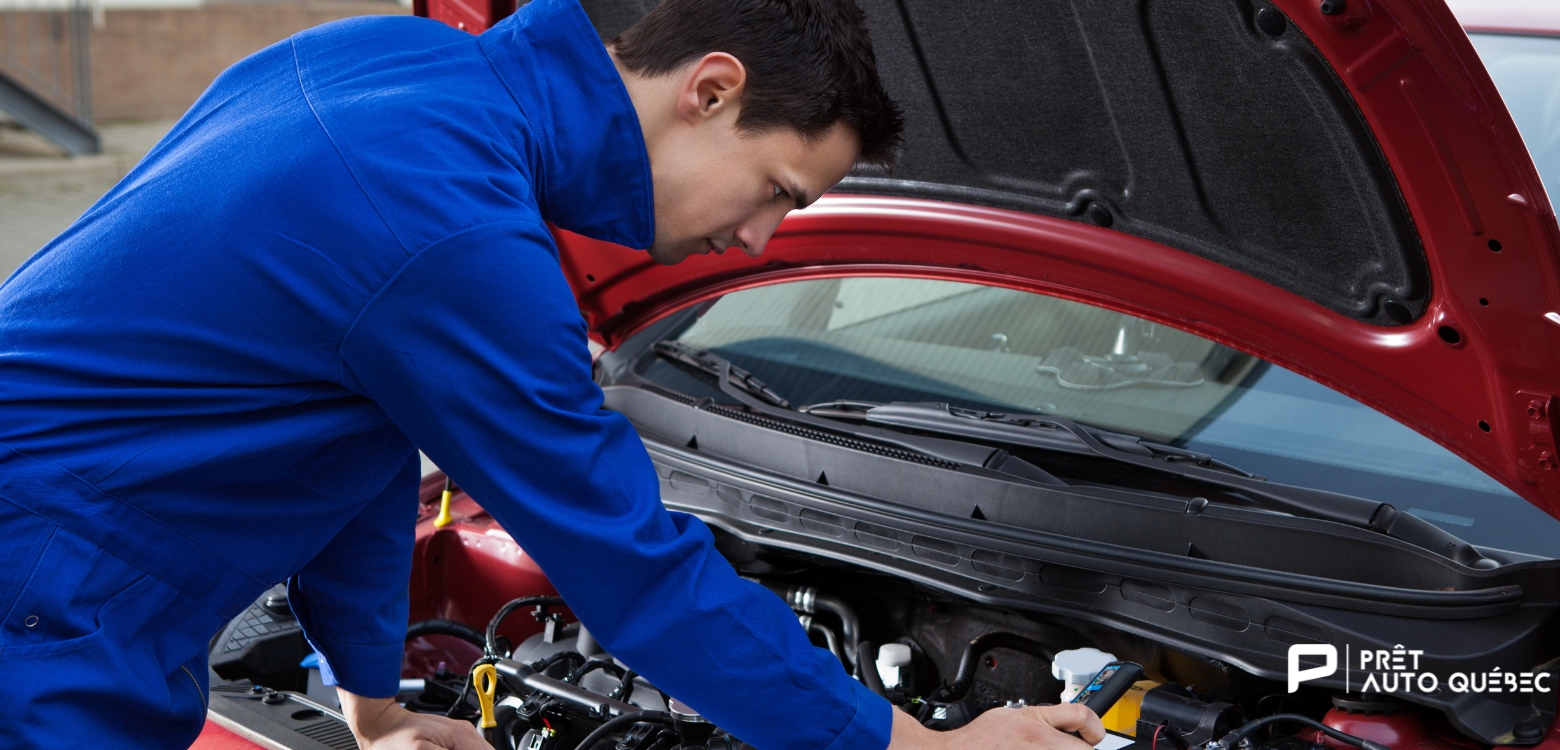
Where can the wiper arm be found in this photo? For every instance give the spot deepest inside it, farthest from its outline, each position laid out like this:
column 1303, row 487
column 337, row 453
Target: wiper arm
column 1064, row 435
column 908, row 415
column 721, row 368
column 751, row 392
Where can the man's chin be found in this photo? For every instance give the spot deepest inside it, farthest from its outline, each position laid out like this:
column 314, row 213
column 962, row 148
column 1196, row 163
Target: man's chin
column 667, row 255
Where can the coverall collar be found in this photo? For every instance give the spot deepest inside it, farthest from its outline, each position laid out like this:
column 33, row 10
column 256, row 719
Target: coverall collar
column 592, row 172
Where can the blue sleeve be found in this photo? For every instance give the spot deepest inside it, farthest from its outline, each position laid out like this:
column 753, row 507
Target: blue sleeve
column 478, row 352
column 351, row 616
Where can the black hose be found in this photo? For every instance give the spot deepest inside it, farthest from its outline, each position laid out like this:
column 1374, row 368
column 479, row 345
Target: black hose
column 446, row 627
column 546, row 663
column 1241, row 732
column 490, row 643
column 618, row 722
column 977, row 648
column 625, row 688
column 924, row 672
column 456, row 630
column 591, row 666
column 866, row 668
column 460, row 700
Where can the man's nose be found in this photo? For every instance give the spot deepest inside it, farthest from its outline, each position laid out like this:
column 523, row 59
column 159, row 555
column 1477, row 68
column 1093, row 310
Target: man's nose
column 752, row 239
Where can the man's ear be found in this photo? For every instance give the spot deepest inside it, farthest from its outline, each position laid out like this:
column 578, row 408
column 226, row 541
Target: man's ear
column 711, row 86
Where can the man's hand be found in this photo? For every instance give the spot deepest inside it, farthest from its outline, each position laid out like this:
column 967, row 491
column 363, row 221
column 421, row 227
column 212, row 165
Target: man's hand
column 382, row 724
column 1032, row 728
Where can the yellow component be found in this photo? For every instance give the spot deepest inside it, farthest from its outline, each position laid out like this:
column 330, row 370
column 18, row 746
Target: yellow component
column 485, row 678
column 1123, row 716
column 444, row 518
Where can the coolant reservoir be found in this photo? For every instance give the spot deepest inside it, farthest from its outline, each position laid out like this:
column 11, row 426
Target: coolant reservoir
column 1076, row 667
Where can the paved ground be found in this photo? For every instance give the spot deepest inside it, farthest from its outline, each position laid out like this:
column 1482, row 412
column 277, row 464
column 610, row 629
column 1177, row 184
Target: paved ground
column 42, row 192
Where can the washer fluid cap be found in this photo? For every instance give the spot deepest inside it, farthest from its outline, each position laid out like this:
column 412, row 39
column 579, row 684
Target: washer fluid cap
column 1078, row 666
column 893, row 655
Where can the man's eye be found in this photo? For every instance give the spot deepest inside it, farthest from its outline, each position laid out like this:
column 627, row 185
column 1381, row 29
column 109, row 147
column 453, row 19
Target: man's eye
column 778, row 192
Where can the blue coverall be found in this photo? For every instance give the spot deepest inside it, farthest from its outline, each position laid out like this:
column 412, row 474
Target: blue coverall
column 215, row 379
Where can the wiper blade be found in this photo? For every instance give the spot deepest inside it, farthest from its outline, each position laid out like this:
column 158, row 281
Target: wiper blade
column 751, row 392
column 721, row 368
column 1120, row 441
column 1041, row 432
column 1064, row 435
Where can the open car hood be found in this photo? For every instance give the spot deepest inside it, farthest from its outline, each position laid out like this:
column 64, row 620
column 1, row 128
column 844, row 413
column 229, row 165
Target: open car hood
column 1344, row 195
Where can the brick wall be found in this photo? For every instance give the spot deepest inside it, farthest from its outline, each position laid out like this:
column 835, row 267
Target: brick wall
column 152, row 64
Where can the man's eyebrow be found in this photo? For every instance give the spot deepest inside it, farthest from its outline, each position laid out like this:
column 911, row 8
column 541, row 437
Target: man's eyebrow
column 799, row 195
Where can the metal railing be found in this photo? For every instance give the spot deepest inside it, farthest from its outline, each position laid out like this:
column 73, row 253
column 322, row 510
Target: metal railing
column 45, row 58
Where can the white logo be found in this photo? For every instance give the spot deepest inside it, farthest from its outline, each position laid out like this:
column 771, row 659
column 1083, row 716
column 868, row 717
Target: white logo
column 1397, row 671
column 1327, row 651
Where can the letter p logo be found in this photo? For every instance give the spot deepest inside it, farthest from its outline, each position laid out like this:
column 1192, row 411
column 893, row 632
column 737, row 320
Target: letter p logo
column 1327, row 651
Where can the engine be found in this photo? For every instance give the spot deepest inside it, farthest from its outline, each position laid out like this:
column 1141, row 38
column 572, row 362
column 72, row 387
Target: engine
column 532, row 678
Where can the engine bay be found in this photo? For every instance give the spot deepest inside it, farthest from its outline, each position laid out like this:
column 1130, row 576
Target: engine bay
column 491, row 643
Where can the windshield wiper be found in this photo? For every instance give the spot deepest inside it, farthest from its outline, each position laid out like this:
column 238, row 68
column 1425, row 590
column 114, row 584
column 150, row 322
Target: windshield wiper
column 1064, row 435
column 749, row 391
column 721, row 368
column 1060, row 428
column 1048, row 435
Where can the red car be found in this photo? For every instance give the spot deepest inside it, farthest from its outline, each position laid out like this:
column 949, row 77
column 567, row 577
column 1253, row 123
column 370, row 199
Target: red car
column 1218, row 338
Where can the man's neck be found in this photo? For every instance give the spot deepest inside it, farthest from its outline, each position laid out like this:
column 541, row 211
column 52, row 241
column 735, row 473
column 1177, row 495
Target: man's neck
column 653, row 98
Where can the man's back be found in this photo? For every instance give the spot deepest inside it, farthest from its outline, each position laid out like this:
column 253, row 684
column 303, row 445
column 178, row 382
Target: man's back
column 191, row 322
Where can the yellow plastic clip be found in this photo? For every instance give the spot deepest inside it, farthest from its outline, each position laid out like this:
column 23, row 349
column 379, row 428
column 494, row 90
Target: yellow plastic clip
column 485, row 678
column 444, row 518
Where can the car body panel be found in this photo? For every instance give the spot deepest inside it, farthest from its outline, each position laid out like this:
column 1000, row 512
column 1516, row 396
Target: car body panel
column 214, row 736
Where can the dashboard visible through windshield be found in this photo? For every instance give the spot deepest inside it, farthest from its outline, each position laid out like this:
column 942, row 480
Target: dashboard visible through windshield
column 882, row 339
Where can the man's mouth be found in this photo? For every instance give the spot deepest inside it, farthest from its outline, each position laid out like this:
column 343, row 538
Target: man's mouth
column 711, row 247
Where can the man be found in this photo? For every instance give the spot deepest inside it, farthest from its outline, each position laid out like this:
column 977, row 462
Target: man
column 215, row 379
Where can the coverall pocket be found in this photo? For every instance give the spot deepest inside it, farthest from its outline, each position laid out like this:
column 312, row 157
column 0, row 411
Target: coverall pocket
column 25, row 535
column 72, row 586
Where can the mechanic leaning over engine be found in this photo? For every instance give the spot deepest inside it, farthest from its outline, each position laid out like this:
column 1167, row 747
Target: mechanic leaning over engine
column 219, row 376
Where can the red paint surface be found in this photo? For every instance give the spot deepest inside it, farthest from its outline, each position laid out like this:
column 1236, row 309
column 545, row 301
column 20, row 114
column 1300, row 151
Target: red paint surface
column 475, row 16
column 1551, row 740
column 1400, row 731
column 465, row 572
column 214, row 737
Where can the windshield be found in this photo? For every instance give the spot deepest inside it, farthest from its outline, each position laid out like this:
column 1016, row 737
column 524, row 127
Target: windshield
column 897, row 339
column 1526, row 70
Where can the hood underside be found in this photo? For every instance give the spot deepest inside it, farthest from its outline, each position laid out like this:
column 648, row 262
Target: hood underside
column 1343, row 195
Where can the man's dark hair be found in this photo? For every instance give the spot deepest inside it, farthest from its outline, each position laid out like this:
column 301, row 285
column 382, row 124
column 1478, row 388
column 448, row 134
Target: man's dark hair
column 809, row 63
